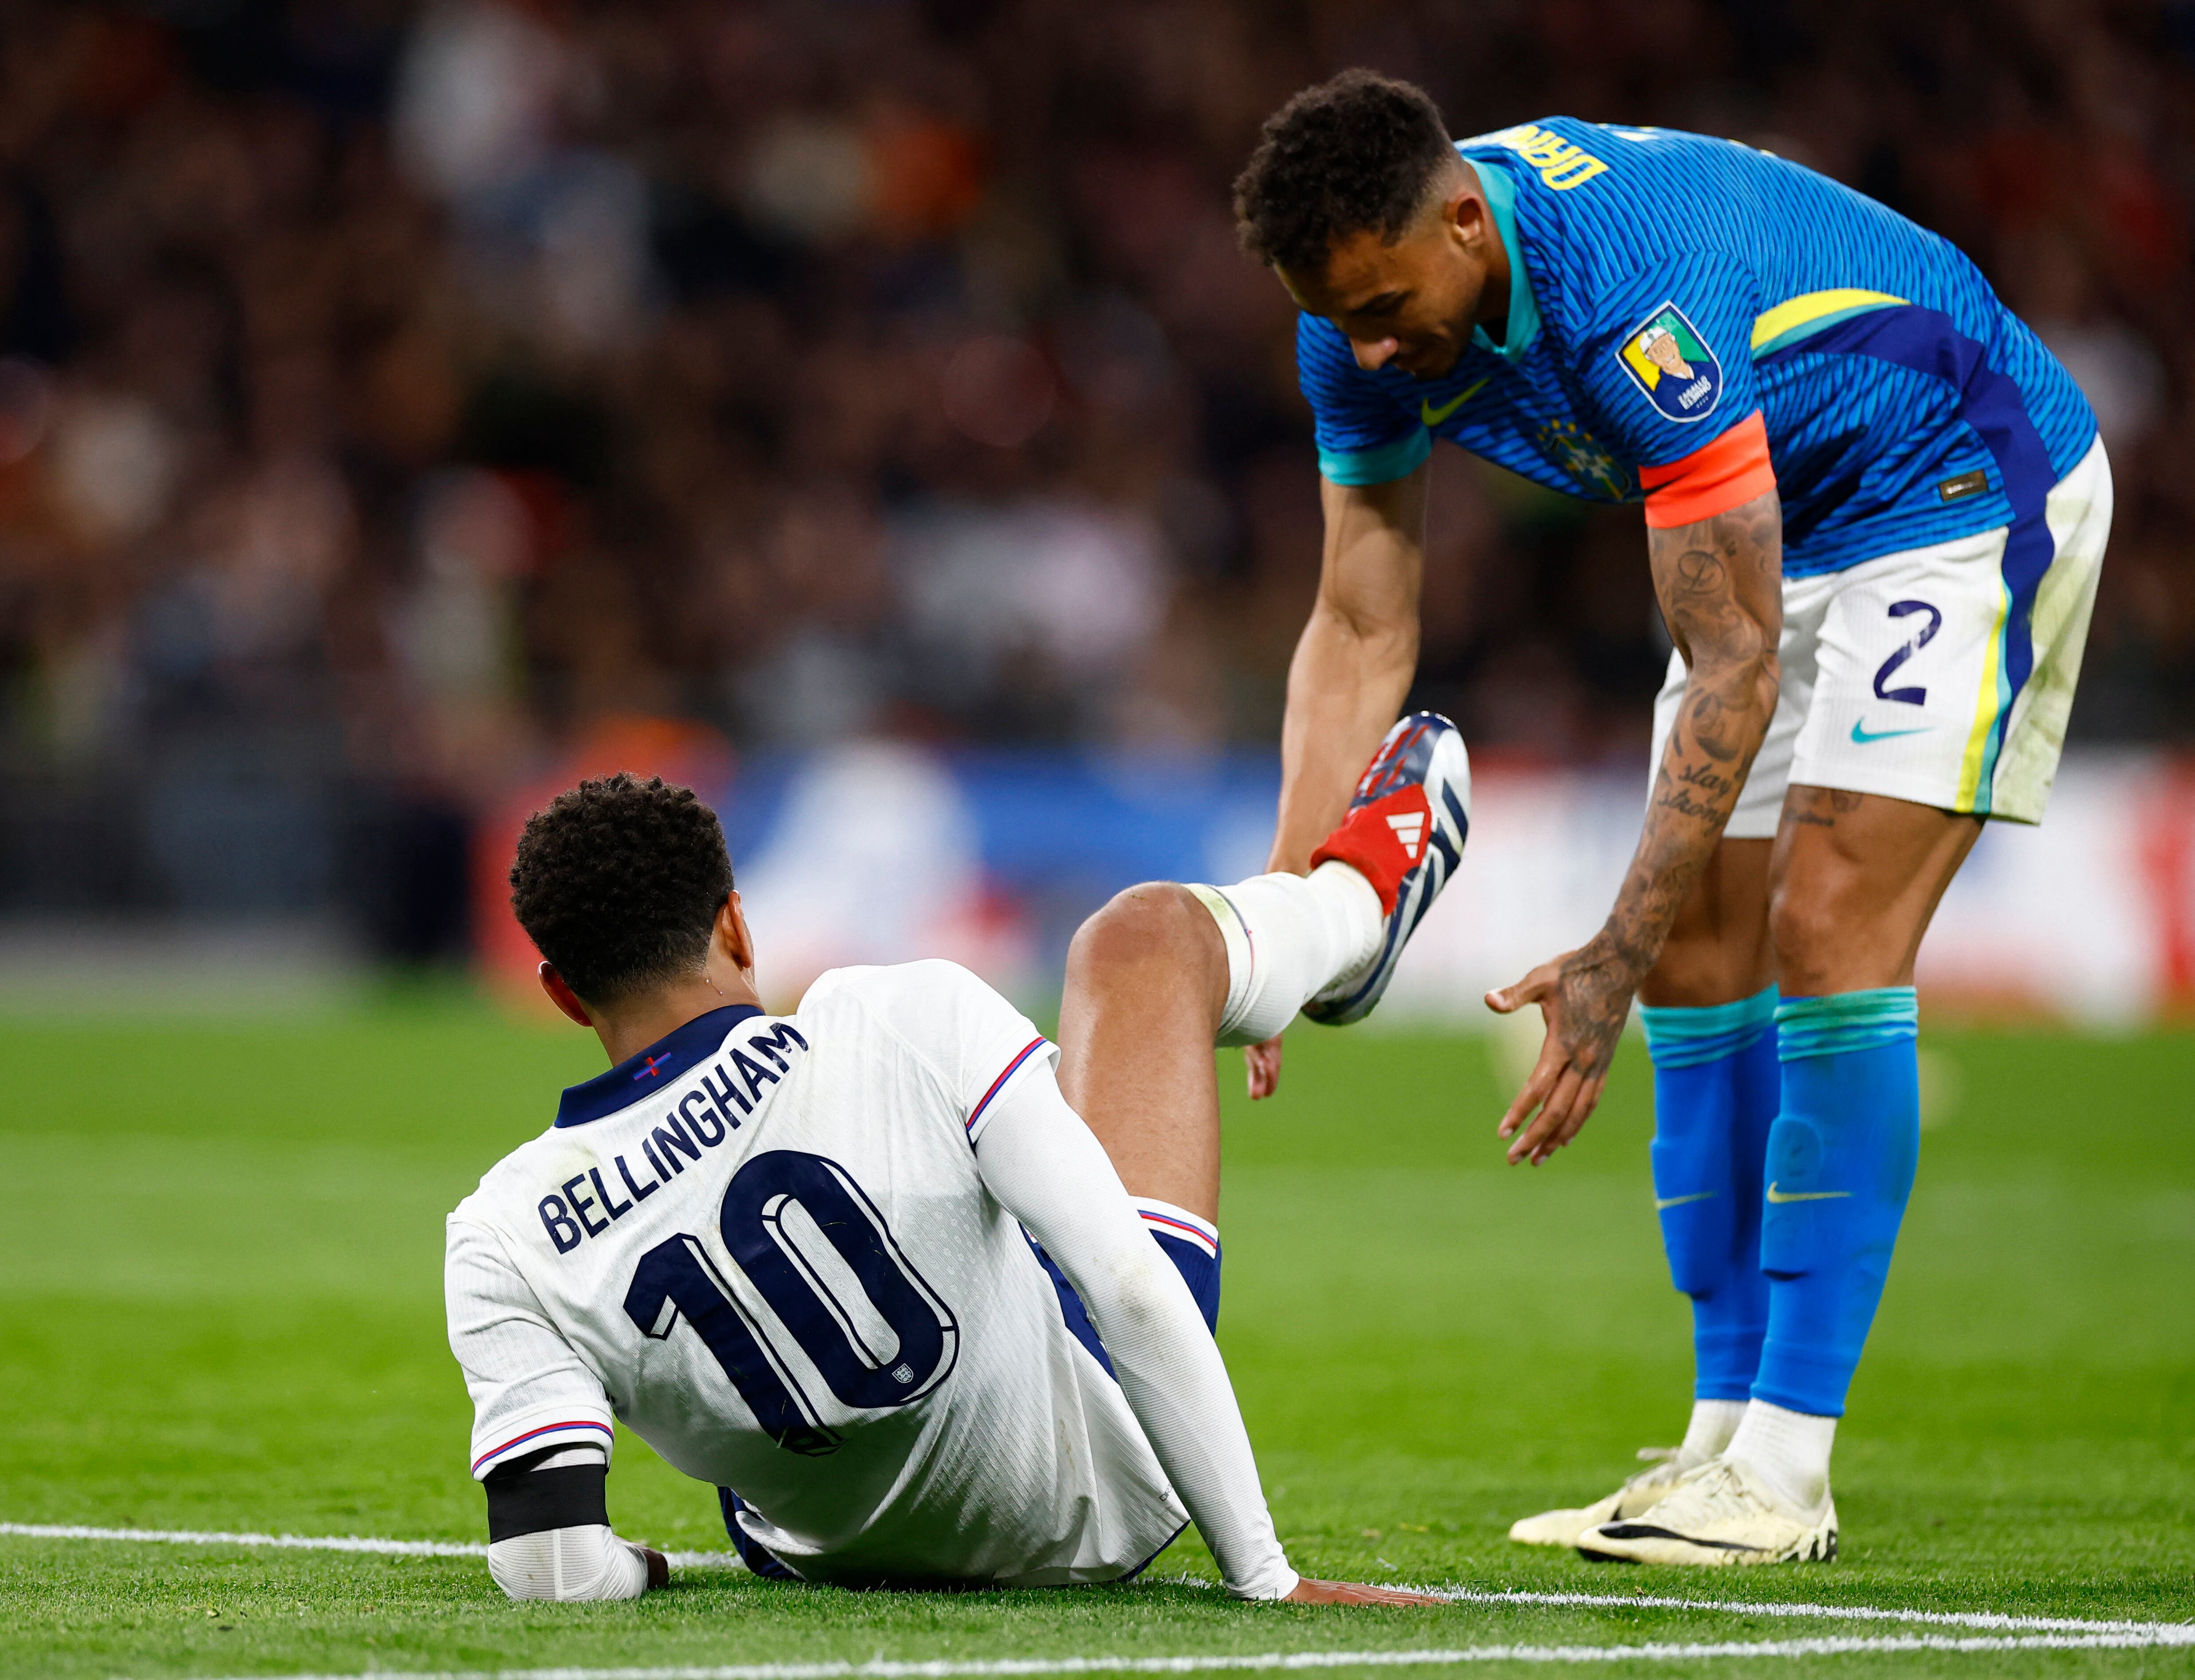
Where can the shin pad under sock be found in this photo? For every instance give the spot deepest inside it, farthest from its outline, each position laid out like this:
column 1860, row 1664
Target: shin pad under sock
column 1840, row 1160
column 1716, row 1089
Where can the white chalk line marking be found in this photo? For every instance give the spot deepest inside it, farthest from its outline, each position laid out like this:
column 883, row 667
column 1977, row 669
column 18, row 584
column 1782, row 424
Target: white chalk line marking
column 194, row 1537
column 1657, row 1651
column 2184, row 1632
column 2011, row 1633
column 1979, row 1619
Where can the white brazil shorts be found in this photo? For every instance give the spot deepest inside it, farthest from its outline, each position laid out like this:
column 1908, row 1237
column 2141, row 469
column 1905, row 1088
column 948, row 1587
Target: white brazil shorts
column 1913, row 676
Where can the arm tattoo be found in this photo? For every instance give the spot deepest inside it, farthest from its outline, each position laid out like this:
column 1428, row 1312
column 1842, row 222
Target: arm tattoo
column 1719, row 583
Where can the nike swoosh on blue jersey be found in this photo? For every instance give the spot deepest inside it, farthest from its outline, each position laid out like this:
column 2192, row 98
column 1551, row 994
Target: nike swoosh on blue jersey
column 1432, row 416
column 1862, row 735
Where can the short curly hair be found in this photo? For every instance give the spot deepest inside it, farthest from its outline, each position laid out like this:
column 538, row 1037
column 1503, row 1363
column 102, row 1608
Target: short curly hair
column 618, row 883
column 1353, row 153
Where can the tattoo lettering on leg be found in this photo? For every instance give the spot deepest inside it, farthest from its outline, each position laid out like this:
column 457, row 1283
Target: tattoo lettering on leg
column 1818, row 807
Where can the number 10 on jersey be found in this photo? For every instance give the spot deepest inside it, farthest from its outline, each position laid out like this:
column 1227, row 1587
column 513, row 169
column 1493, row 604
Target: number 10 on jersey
column 892, row 1345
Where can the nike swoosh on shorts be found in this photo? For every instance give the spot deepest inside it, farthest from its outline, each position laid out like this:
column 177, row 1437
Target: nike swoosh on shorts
column 1775, row 1195
column 1862, row 735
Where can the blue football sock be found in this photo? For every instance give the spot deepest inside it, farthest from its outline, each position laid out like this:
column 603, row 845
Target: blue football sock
column 1716, row 1087
column 1840, row 1161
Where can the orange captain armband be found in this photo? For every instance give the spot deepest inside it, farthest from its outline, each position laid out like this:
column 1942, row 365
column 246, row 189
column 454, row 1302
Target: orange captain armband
column 1713, row 479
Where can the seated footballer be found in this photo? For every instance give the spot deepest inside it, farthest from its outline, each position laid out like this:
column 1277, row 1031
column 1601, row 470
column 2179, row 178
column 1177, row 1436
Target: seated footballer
column 927, row 1299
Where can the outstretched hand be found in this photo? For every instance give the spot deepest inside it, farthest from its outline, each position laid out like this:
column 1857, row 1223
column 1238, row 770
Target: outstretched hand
column 1262, row 1063
column 1584, row 996
column 1309, row 1591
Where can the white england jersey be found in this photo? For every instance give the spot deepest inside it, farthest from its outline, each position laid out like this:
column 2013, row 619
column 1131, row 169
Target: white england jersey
column 765, row 1246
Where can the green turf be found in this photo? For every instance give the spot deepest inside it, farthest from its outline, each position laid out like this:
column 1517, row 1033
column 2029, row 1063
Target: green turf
column 221, row 1250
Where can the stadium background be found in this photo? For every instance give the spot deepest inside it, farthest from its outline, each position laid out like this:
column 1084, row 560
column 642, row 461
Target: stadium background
column 859, row 408
column 403, row 408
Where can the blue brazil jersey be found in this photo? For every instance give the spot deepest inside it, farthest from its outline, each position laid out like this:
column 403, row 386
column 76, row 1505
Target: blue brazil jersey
column 1664, row 285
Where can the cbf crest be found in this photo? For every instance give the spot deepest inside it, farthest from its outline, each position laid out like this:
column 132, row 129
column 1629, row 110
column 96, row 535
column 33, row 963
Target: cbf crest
column 1668, row 360
column 1584, row 461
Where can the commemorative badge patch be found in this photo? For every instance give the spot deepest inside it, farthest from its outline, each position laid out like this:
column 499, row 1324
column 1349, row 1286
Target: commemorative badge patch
column 1668, row 360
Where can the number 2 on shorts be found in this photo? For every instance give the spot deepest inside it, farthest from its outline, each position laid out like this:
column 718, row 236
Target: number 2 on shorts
column 1910, row 697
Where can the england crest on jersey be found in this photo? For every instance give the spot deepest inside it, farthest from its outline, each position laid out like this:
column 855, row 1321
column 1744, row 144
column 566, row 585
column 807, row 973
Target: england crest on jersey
column 1671, row 363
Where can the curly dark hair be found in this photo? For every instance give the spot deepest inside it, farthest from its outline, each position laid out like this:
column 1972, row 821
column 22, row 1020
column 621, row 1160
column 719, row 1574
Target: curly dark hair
column 618, row 883
column 1355, row 152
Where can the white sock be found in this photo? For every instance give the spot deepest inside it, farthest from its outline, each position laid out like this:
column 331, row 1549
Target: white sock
column 1288, row 938
column 1714, row 1423
column 1789, row 1449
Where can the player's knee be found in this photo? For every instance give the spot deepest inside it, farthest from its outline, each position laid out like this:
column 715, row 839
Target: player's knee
column 1699, row 970
column 1157, row 920
column 1806, row 923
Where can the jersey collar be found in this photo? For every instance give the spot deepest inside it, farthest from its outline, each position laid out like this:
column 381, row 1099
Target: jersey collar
column 1523, row 326
column 645, row 1074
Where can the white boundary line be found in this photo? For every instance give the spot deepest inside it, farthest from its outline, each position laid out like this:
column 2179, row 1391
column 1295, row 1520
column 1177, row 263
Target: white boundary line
column 2181, row 1632
column 194, row 1536
column 2007, row 1633
column 1979, row 1619
column 1285, row 1660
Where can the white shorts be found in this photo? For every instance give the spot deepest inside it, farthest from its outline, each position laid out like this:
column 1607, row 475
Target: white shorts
column 1926, row 675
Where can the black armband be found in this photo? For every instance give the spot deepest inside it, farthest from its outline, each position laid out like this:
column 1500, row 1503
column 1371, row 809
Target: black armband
column 523, row 1500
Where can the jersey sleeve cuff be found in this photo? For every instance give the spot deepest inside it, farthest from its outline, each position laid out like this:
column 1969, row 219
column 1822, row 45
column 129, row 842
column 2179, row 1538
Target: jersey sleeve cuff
column 1037, row 1049
column 1269, row 1587
column 1382, row 466
column 1715, row 478
column 563, row 1425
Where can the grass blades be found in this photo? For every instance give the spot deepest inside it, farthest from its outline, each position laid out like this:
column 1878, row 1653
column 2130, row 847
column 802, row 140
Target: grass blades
column 222, row 1247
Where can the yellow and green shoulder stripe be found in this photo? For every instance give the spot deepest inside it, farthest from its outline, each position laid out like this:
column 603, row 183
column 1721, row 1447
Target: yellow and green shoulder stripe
column 1811, row 312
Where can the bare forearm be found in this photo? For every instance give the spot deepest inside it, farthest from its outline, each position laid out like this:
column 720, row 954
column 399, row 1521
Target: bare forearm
column 1720, row 584
column 1719, row 581
column 1345, row 688
column 1696, row 788
column 1354, row 661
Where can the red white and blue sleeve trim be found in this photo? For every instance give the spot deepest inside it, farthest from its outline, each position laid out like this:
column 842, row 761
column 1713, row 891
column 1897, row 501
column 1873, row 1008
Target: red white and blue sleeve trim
column 571, row 1431
column 1163, row 1219
column 975, row 1120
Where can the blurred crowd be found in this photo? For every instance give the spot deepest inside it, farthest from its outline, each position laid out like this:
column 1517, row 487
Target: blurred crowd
column 388, row 394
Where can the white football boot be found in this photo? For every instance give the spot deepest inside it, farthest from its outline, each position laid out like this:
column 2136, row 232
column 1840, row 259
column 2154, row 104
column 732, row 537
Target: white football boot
column 1639, row 1495
column 1721, row 1514
column 1405, row 834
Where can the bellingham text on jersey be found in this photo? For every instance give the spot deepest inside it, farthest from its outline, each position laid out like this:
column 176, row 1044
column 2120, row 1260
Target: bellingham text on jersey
column 701, row 1117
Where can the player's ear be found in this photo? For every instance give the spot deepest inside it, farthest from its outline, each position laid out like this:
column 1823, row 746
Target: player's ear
column 1465, row 214
column 732, row 936
column 562, row 995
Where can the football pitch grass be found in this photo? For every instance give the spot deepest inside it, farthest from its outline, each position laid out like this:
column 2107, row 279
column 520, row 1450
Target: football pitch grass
column 222, row 1312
